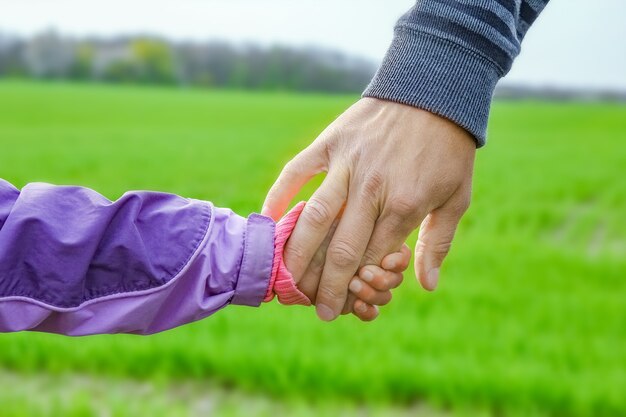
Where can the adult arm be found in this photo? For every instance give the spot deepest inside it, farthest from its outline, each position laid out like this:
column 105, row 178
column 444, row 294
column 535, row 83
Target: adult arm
column 403, row 155
column 447, row 56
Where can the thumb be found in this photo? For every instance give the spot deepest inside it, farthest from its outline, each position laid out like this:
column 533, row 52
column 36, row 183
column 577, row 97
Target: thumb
column 435, row 239
column 292, row 178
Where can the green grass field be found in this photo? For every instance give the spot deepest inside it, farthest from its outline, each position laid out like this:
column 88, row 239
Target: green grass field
column 529, row 319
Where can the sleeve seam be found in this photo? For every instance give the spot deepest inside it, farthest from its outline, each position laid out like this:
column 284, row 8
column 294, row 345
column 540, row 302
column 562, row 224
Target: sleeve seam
column 204, row 230
column 244, row 253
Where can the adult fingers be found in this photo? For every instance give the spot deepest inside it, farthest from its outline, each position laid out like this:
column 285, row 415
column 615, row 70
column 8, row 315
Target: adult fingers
column 348, row 307
column 315, row 222
column 344, row 256
column 297, row 172
column 311, row 279
column 398, row 220
column 435, row 239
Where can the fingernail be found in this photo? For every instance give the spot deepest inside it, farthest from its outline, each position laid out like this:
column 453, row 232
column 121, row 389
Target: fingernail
column 355, row 285
column 432, row 278
column 360, row 307
column 324, row 312
column 367, row 275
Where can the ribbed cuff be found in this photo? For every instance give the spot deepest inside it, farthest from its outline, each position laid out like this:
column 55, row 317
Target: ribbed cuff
column 440, row 76
column 282, row 283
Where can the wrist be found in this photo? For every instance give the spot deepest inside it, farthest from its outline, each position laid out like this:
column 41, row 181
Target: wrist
column 282, row 283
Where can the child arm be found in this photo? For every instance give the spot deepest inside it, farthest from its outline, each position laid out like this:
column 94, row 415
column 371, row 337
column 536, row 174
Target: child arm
column 75, row 263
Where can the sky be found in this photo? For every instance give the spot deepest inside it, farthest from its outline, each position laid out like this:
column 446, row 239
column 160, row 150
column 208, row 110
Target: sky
column 574, row 43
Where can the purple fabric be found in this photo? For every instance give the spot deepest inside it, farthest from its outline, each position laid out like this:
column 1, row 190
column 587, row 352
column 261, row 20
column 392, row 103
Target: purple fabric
column 73, row 262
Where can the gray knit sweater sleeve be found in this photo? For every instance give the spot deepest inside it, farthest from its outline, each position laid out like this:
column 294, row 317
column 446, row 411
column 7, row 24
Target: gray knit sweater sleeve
column 447, row 56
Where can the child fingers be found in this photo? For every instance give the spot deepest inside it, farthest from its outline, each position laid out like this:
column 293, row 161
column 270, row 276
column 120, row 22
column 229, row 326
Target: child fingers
column 397, row 261
column 380, row 279
column 364, row 311
column 365, row 292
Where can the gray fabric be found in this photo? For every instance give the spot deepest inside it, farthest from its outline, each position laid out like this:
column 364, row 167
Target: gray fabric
column 448, row 55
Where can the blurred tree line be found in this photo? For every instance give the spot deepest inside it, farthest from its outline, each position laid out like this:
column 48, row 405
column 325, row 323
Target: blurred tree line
column 152, row 60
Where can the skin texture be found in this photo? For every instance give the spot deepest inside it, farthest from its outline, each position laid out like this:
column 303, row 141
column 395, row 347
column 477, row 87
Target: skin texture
column 391, row 167
column 371, row 287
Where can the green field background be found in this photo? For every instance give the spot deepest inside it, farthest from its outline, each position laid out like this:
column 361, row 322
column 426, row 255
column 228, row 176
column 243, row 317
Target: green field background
column 529, row 319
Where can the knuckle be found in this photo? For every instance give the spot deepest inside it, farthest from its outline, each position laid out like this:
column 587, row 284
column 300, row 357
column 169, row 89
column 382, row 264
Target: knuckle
column 404, row 213
column 463, row 204
column 439, row 249
column 442, row 189
column 327, row 292
column 343, row 254
column 296, row 254
column 404, row 207
column 333, row 139
column 373, row 255
column 332, row 134
column 372, row 184
column 317, row 212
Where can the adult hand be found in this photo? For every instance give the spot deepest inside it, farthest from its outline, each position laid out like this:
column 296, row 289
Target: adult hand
column 370, row 289
column 390, row 167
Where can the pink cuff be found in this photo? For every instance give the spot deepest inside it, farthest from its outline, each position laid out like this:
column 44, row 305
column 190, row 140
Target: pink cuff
column 281, row 281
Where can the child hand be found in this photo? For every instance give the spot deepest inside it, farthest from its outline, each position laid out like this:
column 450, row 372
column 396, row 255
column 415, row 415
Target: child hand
column 372, row 286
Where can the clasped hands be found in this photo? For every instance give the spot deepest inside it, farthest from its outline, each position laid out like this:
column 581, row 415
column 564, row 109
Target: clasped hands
column 390, row 168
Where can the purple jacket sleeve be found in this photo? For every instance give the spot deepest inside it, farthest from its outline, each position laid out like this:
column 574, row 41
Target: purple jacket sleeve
column 75, row 263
